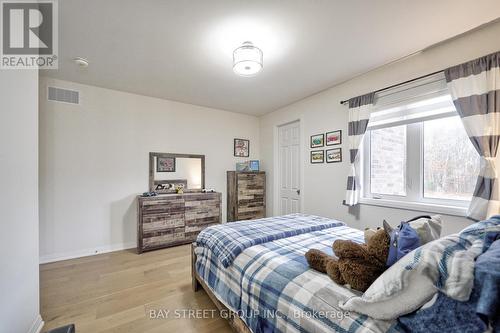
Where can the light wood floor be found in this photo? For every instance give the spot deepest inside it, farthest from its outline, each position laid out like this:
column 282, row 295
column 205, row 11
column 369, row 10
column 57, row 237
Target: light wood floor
column 115, row 292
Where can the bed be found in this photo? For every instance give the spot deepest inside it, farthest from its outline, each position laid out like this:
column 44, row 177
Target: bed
column 256, row 273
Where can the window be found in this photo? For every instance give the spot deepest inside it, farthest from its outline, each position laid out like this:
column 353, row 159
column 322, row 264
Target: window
column 388, row 161
column 416, row 153
column 451, row 163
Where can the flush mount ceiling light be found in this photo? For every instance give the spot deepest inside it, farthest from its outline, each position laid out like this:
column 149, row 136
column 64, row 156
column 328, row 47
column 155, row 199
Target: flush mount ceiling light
column 81, row 62
column 247, row 60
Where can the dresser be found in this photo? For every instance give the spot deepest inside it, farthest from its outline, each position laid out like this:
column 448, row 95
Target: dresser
column 174, row 219
column 246, row 195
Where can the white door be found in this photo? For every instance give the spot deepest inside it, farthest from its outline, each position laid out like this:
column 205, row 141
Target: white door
column 289, row 168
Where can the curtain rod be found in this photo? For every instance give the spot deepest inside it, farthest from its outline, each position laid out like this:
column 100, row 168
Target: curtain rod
column 401, row 83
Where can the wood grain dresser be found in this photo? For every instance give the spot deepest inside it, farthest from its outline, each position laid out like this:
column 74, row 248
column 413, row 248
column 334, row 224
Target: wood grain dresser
column 174, row 219
column 246, row 195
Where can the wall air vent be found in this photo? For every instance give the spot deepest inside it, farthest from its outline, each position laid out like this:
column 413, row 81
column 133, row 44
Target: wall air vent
column 64, row 95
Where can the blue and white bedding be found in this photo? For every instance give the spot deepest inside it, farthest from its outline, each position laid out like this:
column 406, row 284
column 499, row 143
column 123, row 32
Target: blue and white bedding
column 227, row 241
column 480, row 310
column 268, row 282
column 446, row 265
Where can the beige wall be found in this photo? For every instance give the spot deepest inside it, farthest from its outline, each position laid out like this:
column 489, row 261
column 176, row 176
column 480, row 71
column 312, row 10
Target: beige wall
column 94, row 161
column 324, row 185
column 19, row 300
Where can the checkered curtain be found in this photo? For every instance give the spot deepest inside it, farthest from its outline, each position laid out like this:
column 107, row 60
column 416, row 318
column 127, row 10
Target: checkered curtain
column 475, row 88
column 359, row 115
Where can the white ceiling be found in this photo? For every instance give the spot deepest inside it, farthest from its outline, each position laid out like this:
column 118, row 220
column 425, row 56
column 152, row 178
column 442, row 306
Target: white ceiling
column 182, row 50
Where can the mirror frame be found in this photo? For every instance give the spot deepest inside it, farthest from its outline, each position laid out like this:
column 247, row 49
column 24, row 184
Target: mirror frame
column 152, row 167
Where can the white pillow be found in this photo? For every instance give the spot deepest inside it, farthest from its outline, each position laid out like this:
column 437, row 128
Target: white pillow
column 427, row 229
column 415, row 278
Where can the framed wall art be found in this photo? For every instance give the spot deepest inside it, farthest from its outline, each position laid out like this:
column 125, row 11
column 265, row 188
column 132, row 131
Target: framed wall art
column 334, row 138
column 334, row 155
column 317, row 140
column 165, row 164
column 241, row 147
column 317, row 156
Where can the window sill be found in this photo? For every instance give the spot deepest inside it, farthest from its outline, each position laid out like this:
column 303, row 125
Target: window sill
column 418, row 206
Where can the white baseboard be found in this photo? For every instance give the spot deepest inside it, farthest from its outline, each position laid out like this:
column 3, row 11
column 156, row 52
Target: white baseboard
column 44, row 259
column 37, row 325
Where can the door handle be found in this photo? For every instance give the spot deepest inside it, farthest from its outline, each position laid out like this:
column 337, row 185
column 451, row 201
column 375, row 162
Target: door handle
column 298, row 191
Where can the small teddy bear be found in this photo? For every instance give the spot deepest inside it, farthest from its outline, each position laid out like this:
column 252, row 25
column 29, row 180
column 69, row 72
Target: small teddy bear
column 358, row 265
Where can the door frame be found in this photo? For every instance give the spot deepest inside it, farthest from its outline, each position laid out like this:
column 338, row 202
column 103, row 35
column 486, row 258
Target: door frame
column 276, row 168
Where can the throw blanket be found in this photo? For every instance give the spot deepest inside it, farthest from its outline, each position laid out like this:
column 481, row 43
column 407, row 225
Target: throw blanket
column 446, row 314
column 272, row 289
column 488, row 276
column 227, row 241
column 445, row 265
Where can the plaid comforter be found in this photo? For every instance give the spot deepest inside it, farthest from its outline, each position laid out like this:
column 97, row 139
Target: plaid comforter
column 270, row 286
column 227, row 241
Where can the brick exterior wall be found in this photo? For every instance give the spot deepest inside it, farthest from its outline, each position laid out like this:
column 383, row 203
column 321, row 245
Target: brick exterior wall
column 388, row 160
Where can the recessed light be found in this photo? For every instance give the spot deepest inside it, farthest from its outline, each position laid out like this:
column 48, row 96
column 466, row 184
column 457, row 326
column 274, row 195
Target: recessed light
column 247, row 60
column 81, row 62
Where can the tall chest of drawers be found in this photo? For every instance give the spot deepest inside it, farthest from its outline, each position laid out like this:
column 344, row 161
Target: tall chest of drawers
column 246, row 195
column 174, row 219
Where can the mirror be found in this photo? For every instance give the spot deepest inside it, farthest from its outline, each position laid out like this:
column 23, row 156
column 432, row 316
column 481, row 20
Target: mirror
column 169, row 171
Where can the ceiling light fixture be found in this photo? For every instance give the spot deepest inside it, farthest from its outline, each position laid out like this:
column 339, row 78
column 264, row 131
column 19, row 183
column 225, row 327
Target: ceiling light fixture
column 81, row 62
column 247, row 60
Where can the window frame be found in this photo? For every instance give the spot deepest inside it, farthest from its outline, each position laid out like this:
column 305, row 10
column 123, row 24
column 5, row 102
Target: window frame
column 414, row 199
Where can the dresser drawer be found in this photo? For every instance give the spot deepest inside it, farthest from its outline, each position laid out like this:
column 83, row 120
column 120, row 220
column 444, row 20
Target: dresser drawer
column 160, row 238
column 251, row 213
column 162, row 206
column 198, row 227
column 193, row 231
column 148, row 202
column 249, row 200
column 199, row 222
column 203, row 211
column 202, row 198
column 195, row 219
column 157, row 222
column 210, row 209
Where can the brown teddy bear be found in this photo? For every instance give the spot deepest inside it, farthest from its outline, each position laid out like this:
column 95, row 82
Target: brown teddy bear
column 358, row 265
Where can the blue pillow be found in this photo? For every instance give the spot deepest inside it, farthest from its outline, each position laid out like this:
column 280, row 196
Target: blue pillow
column 404, row 239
